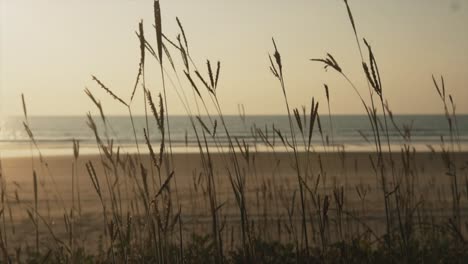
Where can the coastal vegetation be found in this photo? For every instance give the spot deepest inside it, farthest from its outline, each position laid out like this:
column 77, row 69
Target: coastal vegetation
column 317, row 216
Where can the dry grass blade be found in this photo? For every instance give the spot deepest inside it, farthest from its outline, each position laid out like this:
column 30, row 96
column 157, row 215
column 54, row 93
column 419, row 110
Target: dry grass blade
column 93, row 176
column 436, row 85
column 353, row 24
column 183, row 34
column 97, row 103
column 369, row 77
column 170, row 41
column 141, row 37
column 282, row 138
column 440, row 91
column 273, row 69
column 28, row 130
column 279, row 135
column 30, row 215
column 330, row 62
column 313, row 117
column 153, row 108
column 149, row 48
column 210, row 74
column 327, row 94
column 215, row 126
column 373, row 63
column 350, row 14
column 168, row 55
column 158, row 25
column 373, row 79
column 150, row 148
column 109, row 91
column 163, row 186
column 36, row 208
column 364, row 136
column 90, row 122
column 264, row 137
column 76, row 148
column 184, row 54
column 91, row 96
column 298, row 119
column 194, row 86
column 244, row 149
column 443, row 85
column 161, row 152
column 319, row 124
column 203, row 125
column 204, row 82
column 333, row 60
column 25, row 112
column 277, row 56
column 218, row 68
column 161, row 114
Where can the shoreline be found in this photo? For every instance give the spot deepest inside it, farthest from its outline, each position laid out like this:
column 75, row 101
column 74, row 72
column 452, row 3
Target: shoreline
column 60, row 151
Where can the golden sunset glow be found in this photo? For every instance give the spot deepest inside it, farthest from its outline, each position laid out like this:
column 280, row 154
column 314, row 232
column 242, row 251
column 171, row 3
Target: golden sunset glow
column 49, row 49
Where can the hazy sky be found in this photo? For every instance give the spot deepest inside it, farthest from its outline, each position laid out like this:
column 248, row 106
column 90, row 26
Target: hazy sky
column 49, row 49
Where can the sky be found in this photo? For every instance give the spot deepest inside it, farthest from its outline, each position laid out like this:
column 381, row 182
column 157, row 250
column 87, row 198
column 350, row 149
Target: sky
column 50, row 48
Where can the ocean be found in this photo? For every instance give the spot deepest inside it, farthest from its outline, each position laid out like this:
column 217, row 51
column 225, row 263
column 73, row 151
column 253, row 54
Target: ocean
column 54, row 134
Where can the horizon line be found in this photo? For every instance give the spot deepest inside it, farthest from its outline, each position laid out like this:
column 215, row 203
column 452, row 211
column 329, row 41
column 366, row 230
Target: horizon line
column 230, row 115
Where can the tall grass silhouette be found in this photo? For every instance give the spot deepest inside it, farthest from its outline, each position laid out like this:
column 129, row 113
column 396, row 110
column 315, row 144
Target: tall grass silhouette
column 234, row 210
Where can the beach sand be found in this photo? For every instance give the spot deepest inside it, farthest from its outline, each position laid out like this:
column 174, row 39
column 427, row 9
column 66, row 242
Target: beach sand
column 271, row 183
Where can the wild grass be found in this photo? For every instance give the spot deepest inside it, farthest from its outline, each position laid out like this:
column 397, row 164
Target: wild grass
column 249, row 213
